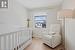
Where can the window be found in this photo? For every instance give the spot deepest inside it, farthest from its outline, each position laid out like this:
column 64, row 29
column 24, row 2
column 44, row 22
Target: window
column 40, row 21
column 3, row 3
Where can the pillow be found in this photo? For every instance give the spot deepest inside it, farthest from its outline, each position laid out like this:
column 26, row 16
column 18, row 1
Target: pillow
column 51, row 33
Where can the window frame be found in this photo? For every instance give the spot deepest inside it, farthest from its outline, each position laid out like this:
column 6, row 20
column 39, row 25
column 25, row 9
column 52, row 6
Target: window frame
column 40, row 20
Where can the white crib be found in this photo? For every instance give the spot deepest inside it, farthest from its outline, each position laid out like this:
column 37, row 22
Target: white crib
column 12, row 38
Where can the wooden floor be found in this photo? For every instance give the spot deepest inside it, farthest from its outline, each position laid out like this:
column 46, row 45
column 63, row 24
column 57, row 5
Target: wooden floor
column 37, row 44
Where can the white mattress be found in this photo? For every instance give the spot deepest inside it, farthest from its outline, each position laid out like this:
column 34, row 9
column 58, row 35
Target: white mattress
column 5, row 28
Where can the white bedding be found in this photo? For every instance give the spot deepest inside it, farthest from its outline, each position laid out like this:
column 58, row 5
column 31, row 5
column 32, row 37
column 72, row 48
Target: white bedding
column 6, row 28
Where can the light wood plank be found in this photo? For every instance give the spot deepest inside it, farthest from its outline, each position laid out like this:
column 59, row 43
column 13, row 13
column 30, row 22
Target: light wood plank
column 37, row 44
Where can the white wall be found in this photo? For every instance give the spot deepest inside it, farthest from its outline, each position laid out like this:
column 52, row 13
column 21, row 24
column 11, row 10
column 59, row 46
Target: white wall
column 16, row 14
column 51, row 18
column 69, row 4
column 70, row 34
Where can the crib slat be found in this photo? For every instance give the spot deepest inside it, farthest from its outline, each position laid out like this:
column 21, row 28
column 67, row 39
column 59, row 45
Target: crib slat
column 4, row 42
column 8, row 42
column 17, row 38
column 13, row 42
column 0, row 42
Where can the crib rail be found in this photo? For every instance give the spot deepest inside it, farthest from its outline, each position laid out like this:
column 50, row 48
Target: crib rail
column 14, row 40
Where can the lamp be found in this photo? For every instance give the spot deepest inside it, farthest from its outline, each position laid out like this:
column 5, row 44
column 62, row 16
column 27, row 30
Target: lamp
column 28, row 22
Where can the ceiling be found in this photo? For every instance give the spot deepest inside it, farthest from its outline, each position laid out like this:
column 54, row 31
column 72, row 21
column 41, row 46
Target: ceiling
column 40, row 3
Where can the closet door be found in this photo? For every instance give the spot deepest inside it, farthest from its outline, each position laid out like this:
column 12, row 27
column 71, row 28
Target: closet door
column 69, row 34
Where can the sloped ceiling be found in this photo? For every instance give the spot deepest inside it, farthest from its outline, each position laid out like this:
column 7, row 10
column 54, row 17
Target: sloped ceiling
column 40, row 3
